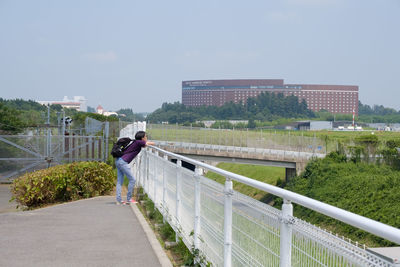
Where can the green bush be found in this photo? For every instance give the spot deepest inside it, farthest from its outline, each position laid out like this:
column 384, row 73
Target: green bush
column 365, row 189
column 390, row 154
column 63, row 183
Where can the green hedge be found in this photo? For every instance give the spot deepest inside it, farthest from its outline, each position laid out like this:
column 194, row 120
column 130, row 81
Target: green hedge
column 365, row 189
column 63, row 183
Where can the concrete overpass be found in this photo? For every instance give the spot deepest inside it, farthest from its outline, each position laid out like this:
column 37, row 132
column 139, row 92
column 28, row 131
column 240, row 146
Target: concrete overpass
column 293, row 161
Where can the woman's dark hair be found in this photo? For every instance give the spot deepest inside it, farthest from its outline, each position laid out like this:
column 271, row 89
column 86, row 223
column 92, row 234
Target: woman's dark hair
column 139, row 135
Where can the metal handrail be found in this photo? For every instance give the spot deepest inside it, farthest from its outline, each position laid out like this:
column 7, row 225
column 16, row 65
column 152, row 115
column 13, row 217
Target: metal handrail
column 374, row 227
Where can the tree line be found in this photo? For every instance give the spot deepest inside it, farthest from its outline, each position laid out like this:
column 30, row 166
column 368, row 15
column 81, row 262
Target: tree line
column 18, row 114
column 265, row 107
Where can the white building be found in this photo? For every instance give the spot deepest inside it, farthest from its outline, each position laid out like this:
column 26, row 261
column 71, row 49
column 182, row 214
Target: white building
column 78, row 103
column 101, row 110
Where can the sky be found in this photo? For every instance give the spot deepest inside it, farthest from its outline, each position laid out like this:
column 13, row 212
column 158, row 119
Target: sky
column 135, row 54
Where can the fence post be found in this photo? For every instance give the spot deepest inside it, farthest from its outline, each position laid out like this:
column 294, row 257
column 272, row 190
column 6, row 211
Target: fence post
column 164, row 187
column 228, row 192
column 148, row 172
column 106, row 130
column 205, row 137
column 92, row 146
column 80, row 142
column 233, row 137
column 63, row 132
column 138, row 166
column 142, row 170
column 219, row 139
column 165, row 132
column 49, row 156
column 70, row 147
column 197, row 206
column 178, row 196
column 144, row 173
column 176, row 132
column 155, row 180
column 191, row 131
column 247, row 137
column 286, row 234
column 99, row 152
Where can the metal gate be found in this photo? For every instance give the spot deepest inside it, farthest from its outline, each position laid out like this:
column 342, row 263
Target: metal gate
column 41, row 149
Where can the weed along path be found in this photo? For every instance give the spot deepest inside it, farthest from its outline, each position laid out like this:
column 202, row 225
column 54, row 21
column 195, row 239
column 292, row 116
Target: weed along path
column 90, row 232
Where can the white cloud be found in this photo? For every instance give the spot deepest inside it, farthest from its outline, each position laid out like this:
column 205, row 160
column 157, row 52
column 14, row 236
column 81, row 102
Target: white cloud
column 101, row 57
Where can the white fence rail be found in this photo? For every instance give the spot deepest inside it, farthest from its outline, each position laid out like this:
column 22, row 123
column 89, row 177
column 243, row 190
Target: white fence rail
column 231, row 229
column 131, row 129
column 283, row 154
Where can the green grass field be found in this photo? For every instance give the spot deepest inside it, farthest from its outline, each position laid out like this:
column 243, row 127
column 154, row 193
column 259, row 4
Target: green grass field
column 265, row 174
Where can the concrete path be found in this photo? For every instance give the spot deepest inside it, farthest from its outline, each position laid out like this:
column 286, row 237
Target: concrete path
column 5, row 196
column 91, row 232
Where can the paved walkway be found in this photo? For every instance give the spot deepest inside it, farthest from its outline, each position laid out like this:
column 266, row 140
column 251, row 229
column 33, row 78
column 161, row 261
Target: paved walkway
column 5, row 196
column 91, row 232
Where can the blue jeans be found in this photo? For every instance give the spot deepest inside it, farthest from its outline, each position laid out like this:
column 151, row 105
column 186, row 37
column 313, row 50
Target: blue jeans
column 123, row 169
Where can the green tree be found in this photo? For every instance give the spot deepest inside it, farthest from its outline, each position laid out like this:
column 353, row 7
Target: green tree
column 10, row 122
column 251, row 124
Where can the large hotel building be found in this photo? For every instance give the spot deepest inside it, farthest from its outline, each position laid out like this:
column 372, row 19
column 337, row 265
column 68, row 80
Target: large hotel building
column 333, row 98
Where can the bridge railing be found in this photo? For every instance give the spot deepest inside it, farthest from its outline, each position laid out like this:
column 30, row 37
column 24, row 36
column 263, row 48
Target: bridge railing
column 238, row 138
column 277, row 153
column 231, row 229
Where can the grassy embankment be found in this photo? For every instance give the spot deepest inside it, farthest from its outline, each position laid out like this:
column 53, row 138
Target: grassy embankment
column 265, row 174
column 365, row 189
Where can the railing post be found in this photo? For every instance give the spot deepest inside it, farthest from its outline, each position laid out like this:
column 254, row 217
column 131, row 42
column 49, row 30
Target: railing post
column 148, row 172
column 140, row 168
column 286, row 234
column 228, row 192
column 164, row 187
column 178, row 196
column 155, row 180
column 197, row 206
column 145, row 171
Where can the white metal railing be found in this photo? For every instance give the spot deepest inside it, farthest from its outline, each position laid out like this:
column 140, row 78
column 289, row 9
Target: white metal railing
column 287, row 140
column 231, row 229
column 279, row 153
